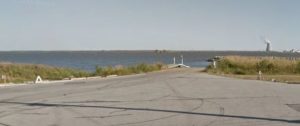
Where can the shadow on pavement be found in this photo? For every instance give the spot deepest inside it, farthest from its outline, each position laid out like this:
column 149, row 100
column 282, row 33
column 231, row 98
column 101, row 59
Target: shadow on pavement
column 152, row 110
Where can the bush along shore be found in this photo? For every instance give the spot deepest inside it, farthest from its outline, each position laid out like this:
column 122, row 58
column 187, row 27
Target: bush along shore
column 120, row 70
column 272, row 68
column 22, row 73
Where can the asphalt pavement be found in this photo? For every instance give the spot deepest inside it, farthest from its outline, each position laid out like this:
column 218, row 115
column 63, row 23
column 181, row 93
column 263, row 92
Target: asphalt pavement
column 177, row 97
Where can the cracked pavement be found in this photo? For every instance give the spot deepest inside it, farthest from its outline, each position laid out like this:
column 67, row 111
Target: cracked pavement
column 177, row 97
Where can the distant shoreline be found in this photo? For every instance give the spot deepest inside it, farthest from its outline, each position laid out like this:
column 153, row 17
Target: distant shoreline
column 217, row 52
column 87, row 60
column 262, row 51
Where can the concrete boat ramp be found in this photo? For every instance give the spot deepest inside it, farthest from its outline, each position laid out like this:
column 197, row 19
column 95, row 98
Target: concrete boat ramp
column 175, row 97
column 170, row 66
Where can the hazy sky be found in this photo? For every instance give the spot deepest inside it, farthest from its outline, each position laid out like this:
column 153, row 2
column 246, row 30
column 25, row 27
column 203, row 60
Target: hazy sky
column 148, row 24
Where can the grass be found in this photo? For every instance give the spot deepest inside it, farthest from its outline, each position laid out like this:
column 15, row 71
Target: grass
column 278, row 68
column 19, row 73
column 120, row 70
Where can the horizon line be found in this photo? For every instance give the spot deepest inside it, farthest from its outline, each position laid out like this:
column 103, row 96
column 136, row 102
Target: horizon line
column 170, row 50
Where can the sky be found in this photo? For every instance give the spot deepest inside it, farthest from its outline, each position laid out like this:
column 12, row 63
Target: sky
column 148, row 24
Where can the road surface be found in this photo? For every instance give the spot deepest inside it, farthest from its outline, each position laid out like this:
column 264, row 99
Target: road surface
column 178, row 97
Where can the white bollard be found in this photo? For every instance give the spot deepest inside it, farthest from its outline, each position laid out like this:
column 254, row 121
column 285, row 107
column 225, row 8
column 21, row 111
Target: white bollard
column 259, row 76
column 215, row 64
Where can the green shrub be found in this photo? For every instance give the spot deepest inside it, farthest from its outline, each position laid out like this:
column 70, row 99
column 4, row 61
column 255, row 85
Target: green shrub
column 140, row 68
column 265, row 66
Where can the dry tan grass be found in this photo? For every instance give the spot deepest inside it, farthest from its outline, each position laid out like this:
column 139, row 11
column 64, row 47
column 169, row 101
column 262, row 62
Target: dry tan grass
column 251, row 65
column 18, row 73
column 251, row 60
column 246, row 67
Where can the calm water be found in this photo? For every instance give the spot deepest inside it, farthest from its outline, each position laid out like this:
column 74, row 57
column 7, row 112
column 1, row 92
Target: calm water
column 87, row 60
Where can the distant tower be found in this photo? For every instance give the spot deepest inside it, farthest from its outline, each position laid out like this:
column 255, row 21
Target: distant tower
column 268, row 43
column 268, row 48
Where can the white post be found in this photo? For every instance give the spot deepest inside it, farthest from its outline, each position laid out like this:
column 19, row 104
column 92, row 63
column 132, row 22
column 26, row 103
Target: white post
column 181, row 59
column 174, row 60
column 259, row 77
column 214, row 63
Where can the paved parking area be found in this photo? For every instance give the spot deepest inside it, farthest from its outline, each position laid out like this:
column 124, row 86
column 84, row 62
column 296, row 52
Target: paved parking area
column 178, row 97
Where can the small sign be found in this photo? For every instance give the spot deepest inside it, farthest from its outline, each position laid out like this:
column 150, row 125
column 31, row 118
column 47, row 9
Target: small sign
column 38, row 80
